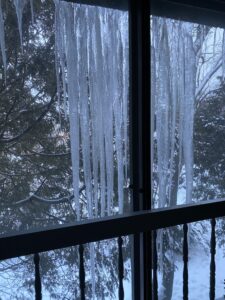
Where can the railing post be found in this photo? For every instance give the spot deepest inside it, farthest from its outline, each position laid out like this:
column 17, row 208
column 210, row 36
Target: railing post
column 185, row 261
column 155, row 266
column 82, row 272
column 37, row 283
column 120, row 268
column 212, row 262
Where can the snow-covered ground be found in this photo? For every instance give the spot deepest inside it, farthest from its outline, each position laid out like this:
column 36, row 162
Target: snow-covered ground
column 199, row 272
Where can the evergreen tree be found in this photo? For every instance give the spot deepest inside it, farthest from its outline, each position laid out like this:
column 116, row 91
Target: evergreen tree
column 35, row 159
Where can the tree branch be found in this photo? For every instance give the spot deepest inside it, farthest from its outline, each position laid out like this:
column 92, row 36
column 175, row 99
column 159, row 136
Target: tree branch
column 34, row 196
column 208, row 77
column 42, row 115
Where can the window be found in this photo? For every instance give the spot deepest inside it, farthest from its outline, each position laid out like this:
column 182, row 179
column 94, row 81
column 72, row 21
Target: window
column 125, row 63
column 187, row 78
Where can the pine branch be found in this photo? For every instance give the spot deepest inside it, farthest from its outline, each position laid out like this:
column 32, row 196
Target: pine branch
column 34, row 196
column 29, row 128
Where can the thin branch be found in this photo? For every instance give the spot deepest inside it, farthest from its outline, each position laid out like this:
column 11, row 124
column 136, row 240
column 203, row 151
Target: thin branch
column 34, row 196
column 32, row 153
column 208, row 77
column 42, row 115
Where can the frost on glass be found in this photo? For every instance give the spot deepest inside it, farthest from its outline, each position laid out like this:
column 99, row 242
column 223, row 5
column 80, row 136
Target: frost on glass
column 187, row 87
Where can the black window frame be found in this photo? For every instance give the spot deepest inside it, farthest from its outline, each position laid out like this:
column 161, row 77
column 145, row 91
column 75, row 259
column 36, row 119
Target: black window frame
column 142, row 220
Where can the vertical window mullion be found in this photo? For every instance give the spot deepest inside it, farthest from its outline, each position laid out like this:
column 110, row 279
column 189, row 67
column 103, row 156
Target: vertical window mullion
column 146, row 143
column 139, row 28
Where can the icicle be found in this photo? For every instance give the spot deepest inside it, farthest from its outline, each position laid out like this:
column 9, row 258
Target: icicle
column 223, row 56
column 57, row 51
column 93, row 103
column 99, row 94
column 108, row 110
column 2, row 39
column 60, row 39
column 84, row 121
column 162, row 113
column 125, row 72
column 19, row 5
column 181, row 89
column 32, row 10
column 84, row 109
column 118, row 121
column 174, row 47
column 189, row 99
column 73, row 96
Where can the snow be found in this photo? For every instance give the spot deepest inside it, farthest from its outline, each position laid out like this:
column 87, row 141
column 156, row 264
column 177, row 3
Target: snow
column 198, row 272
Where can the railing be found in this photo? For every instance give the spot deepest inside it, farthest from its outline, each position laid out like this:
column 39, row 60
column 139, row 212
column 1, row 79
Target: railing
column 106, row 228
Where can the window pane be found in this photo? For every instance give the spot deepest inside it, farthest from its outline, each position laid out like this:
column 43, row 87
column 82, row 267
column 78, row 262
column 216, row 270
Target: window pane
column 187, row 99
column 64, row 113
column 59, row 271
column 201, row 275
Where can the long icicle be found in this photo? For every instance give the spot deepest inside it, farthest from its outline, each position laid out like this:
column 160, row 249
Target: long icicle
column 2, row 40
column 19, row 5
column 73, row 96
column 84, row 124
column 98, row 111
column 32, row 10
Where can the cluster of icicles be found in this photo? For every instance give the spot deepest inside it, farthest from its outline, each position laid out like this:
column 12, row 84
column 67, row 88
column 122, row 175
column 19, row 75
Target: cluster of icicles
column 93, row 62
column 92, row 79
column 173, row 96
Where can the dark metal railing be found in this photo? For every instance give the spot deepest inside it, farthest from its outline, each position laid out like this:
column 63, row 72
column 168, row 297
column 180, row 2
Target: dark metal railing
column 38, row 284
column 35, row 241
column 185, row 263
column 118, row 226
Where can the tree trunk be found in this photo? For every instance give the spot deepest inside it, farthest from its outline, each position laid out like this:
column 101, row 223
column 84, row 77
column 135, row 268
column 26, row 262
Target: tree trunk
column 168, row 266
column 168, row 239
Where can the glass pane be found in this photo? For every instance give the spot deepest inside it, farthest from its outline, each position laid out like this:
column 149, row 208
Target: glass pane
column 64, row 146
column 59, row 270
column 170, row 263
column 188, row 106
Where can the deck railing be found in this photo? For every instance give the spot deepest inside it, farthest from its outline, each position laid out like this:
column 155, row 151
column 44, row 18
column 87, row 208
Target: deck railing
column 106, row 228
